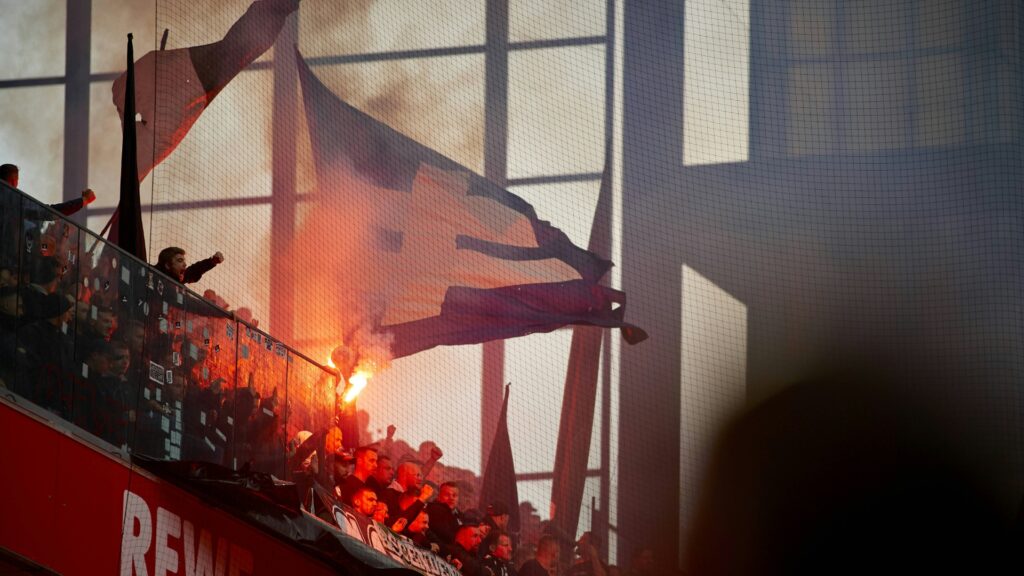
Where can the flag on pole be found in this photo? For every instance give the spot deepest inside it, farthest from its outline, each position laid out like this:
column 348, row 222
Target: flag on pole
column 126, row 227
column 499, row 482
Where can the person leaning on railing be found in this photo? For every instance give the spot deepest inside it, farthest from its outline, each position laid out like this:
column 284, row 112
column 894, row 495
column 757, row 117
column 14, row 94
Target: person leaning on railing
column 171, row 261
column 9, row 174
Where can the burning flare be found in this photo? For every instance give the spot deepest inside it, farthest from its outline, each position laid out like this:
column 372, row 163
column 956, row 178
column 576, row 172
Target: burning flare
column 355, row 385
column 362, row 354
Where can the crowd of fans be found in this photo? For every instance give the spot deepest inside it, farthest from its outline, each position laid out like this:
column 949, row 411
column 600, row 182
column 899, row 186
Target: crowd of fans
column 128, row 355
column 412, row 494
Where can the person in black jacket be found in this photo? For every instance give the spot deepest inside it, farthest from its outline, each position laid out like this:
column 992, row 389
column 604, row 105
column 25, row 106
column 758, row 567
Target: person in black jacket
column 444, row 513
column 464, row 550
column 411, row 500
column 545, row 560
column 366, row 465
column 9, row 174
column 498, row 561
column 171, row 261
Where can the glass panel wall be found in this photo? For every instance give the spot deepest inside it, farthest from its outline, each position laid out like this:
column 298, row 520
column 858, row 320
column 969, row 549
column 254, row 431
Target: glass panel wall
column 129, row 359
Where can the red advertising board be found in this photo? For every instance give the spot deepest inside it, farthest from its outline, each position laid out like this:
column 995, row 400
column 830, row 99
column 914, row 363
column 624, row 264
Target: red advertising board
column 67, row 506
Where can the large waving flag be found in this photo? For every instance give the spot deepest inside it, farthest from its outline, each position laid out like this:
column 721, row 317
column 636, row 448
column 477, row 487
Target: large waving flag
column 456, row 259
column 175, row 86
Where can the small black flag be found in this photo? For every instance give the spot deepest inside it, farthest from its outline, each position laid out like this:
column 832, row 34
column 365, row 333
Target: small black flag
column 499, row 484
column 126, row 230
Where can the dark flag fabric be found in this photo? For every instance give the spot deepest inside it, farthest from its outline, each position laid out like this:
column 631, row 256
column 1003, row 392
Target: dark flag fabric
column 126, row 229
column 499, row 482
column 456, row 258
column 580, row 395
column 179, row 84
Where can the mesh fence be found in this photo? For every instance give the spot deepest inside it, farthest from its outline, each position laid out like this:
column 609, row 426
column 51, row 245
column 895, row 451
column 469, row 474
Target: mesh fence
column 794, row 189
column 792, row 181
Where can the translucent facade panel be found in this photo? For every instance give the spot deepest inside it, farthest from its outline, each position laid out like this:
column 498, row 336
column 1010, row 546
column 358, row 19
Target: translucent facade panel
column 32, row 137
column 95, row 222
column 11, row 306
column 309, row 405
column 10, row 241
column 243, row 280
column 872, row 26
column 712, row 375
column 536, row 367
column 556, row 111
column 45, row 332
column 570, row 207
column 93, row 279
column 810, row 111
column 594, row 459
column 33, row 55
column 111, row 302
column 716, row 85
column 195, row 24
column 112, row 21
column 207, row 359
column 547, row 19
column 316, row 305
column 105, row 149
column 876, row 105
column 940, row 118
column 432, row 395
column 438, row 102
column 537, row 493
column 227, row 153
column 328, row 28
column 591, row 502
column 939, row 23
column 262, row 377
column 811, row 27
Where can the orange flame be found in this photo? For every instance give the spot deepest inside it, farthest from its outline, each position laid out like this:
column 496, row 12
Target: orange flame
column 356, row 384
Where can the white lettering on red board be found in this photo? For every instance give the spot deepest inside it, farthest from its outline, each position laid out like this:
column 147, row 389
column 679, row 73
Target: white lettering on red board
column 179, row 548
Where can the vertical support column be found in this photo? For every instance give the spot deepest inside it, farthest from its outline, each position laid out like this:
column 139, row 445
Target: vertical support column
column 602, row 525
column 76, row 100
column 647, row 509
column 283, row 199
column 495, row 169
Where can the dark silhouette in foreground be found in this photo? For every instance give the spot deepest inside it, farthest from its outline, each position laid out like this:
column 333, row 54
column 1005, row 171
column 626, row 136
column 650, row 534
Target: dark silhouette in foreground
column 856, row 470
